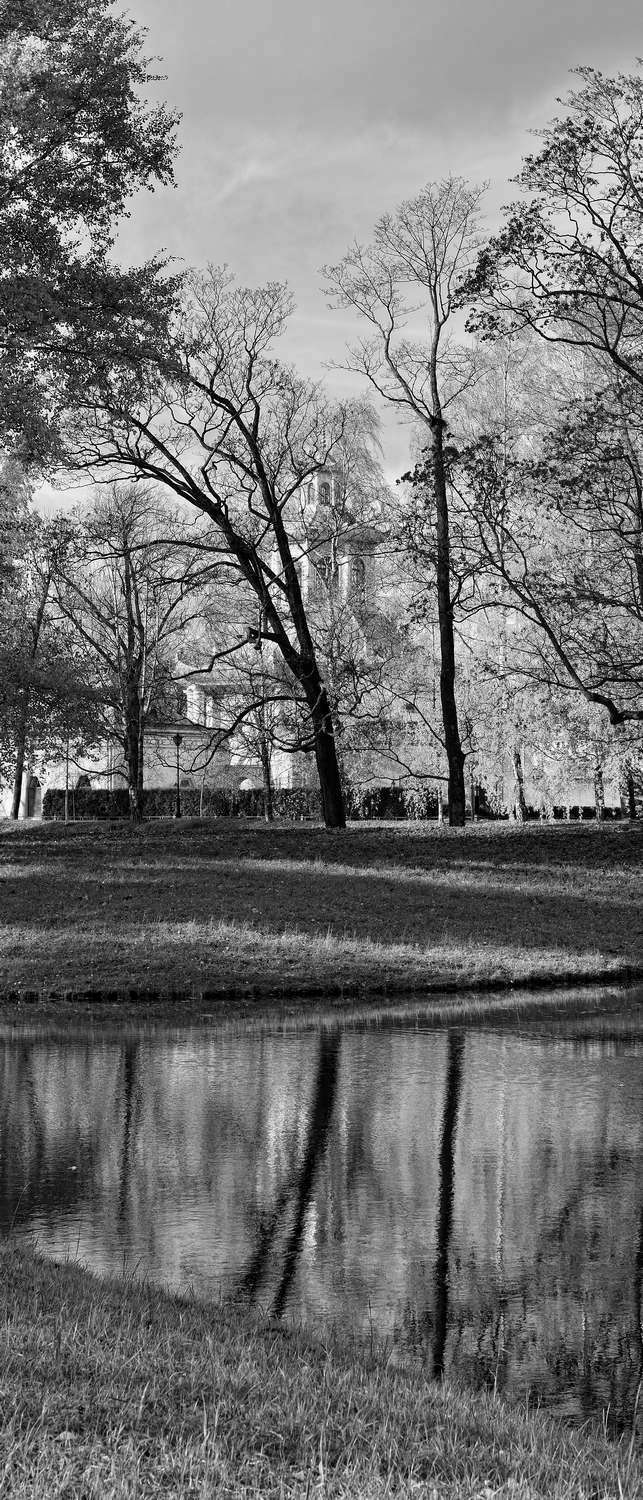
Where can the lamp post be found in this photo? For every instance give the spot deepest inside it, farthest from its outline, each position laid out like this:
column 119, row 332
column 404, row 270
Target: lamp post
column 178, row 740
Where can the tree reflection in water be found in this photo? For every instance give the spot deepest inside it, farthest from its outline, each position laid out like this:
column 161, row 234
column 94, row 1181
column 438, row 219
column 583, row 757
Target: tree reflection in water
column 130, row 1060
column 296, row 1193
column 455, row 1052
column 480, row 1203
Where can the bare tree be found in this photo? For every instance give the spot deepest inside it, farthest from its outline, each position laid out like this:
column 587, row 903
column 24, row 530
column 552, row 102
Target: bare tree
column 409, row 275
column 235, row 433
column 131, row 586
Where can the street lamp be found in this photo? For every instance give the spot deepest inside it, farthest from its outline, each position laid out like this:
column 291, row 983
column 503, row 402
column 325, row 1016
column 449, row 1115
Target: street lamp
column 178, row 740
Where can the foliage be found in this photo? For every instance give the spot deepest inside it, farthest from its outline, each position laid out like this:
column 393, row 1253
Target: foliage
column 568, row 262
column 76, row 141
column 562, row 533
column 47, row 697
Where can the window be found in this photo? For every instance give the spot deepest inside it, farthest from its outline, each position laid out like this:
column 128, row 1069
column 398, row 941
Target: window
column 324, row 492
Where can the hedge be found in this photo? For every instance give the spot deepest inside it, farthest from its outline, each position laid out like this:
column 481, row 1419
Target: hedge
column 295, row 803
column 160, row 802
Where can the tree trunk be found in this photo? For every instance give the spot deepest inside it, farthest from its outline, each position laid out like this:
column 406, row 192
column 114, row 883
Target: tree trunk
column 599, row 791
column 628, row 789
column 330, row 781
column 453, row 747
column 266, row 776
column 141, row 758
column 131, row 744
column 519, row 778
column 264, row 757
column 21, row 750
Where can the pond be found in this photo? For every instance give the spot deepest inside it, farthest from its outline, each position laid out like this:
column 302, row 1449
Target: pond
column 471, row 1197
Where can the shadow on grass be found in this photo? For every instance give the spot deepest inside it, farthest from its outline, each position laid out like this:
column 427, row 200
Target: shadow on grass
column 425, row 845
column 418, row 909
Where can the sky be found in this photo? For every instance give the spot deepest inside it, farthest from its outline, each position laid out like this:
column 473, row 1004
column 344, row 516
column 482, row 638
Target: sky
column 303, row 123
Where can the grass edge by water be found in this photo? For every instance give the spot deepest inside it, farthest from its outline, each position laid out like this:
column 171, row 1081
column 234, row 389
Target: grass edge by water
column 115, row 1388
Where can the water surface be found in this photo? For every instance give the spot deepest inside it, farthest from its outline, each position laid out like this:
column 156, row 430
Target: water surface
column 473, row 1196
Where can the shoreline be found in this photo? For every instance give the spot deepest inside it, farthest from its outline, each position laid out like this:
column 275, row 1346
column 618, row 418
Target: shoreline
column 117, row 1387
column 439, row 1005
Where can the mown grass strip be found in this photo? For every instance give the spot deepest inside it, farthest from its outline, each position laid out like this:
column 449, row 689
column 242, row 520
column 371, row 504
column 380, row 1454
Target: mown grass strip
column 215, row 910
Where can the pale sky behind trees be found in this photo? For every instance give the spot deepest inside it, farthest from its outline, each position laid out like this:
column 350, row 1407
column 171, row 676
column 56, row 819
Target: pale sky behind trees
column 303, row 122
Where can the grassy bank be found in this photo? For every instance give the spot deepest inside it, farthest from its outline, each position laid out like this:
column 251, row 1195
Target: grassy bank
column 206, row 911
column 112, row 1390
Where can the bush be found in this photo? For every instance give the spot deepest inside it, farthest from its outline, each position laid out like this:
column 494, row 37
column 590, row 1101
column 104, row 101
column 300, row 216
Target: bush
column 392, row 802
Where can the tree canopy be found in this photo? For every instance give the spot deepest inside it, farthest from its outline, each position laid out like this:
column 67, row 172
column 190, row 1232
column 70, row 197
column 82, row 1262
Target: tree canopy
column 77, row 139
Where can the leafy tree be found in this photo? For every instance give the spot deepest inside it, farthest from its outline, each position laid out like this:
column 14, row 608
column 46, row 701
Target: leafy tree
column 76, row 140
column 563, row 533
column 46, row 699
column 568, row 262
column 410, row 272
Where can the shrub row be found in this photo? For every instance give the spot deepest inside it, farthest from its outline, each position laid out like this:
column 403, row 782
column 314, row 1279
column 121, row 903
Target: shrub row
column 160, row 802
column 296, row 803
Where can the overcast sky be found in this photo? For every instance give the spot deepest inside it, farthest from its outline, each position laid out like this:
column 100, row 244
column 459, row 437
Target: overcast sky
column 303, row 122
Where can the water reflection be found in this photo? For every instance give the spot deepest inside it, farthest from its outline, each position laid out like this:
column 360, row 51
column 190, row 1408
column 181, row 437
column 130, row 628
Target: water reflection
column 476, row 1196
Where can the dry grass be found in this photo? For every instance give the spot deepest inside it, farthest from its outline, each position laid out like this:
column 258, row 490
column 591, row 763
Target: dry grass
column 221, row 909
column 115, row 1390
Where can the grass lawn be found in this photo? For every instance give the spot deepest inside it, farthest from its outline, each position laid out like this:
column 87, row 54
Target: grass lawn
column 110, row 1391
column 215, row 911
column 115, row 1390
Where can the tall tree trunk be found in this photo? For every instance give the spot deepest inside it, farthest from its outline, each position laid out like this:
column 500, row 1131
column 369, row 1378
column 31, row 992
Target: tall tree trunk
column 628, row 789
column 519, row 778
column 599, row 791
column 330, row 781
column 266, row 769
column 453, row 747
column 131, row 744
column 141, row 757
column 21, row 750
